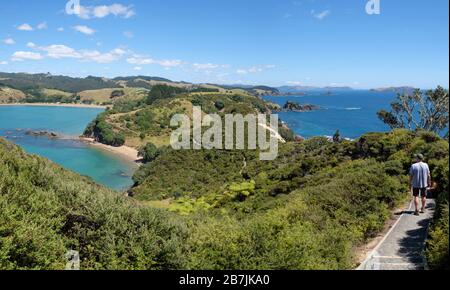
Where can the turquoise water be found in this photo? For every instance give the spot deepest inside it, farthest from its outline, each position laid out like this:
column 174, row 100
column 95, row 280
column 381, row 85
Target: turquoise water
column 103, row 167
column 352, row 112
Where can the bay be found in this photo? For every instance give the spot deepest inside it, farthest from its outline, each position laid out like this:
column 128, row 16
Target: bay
column 69, row 122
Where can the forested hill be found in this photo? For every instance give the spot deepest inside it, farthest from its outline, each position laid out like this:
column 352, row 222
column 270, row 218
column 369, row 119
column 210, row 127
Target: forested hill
column 23, row 87
column 147, row 119
column 25, row 82
column 309, row 209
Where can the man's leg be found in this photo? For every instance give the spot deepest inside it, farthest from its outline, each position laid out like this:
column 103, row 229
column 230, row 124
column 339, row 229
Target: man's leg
column 416, row 194
column 416, row 203
column 424, row 199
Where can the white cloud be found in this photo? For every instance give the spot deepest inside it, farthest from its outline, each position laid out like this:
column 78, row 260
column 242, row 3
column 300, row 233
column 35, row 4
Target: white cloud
column 84, row 29
column 88, row 12
column 169, row 63
column 142, row 60
column 25, row 27
column 26, row 55
column 31, row 45
column 128, row 34
column 205, row 66
column 254, row 69
column 321, row 15
column 137, row 68
column 42, row 25
column 242, row 72
column 60, row 29
column 9, row 41
column 59, row 51
column 108, row 57
column 294, row 83
column 3, row 62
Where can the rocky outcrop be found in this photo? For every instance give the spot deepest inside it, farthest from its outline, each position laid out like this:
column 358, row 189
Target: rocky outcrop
column 47, row 134
column 295, row 107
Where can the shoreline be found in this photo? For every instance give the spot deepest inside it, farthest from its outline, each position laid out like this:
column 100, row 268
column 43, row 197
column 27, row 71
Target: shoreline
column 54, row 105
column 126, row 152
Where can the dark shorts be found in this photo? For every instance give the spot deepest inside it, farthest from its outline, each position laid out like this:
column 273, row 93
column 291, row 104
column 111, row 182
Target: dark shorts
column 420, row 192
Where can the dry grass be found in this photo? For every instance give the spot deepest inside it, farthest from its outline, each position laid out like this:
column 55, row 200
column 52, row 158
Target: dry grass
column 8, row 95
column 55, row 93
column 104, row 95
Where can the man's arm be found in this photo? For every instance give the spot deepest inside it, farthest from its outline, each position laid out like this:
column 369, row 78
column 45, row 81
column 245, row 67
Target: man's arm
column 429, row 179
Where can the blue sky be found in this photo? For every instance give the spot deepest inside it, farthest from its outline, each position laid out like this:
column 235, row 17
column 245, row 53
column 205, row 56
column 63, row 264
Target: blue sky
column 272, row 42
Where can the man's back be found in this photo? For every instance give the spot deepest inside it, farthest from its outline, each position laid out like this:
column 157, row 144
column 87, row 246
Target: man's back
column 419, row 173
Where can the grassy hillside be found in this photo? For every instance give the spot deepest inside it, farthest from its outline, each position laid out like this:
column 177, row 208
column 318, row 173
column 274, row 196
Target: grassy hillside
column 110, row 96
column 46, row 211
column 8, row 95
column 309, row 209
column 148, row 120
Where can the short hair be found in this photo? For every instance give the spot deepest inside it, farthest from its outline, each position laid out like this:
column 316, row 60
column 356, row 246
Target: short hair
column 419, row 156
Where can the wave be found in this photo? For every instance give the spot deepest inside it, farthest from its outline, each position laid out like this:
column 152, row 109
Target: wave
column 352, row 109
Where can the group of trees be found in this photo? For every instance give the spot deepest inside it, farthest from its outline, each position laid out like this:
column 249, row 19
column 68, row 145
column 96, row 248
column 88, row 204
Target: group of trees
column 419, row 111
column 103, row 132
column 159, row 92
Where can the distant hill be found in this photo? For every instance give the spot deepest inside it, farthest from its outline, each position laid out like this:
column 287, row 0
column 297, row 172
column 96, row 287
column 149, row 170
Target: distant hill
column 305, row 89
column 398, row 90
column 26, row 82
column 48, row 88
column 256, row 90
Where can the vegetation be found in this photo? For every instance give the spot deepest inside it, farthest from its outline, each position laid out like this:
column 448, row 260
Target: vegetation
column 159, row 92
column 25, row 82
column 214, row 209
column 9, row 95
column 308, row 209
column 149, row 152
column 416, row 111
column 438, row 250
column 291, row 213
column 104, row 133
column 45, row 211
column 429, row 112
column 147, row 119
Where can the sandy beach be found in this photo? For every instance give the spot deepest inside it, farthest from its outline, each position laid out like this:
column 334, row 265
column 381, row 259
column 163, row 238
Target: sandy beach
column 55, row 105
column 126, row 152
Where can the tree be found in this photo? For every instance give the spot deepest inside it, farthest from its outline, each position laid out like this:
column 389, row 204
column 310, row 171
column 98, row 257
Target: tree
column 149, row 152
column 337, row 137
column 219, row 105
column 427, row 111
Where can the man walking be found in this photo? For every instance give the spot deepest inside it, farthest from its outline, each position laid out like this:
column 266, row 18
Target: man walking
column 420, row 180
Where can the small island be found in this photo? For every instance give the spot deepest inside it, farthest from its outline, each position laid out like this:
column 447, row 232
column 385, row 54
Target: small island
column 296, row 107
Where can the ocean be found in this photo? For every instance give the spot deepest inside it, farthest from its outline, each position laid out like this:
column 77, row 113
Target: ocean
column 352, row 112
column 102, row 166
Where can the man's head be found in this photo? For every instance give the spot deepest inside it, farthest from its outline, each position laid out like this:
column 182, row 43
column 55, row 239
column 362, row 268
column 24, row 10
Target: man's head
column 419, row 157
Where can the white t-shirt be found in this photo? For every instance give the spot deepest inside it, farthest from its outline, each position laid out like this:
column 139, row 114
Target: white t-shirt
column 419, row 173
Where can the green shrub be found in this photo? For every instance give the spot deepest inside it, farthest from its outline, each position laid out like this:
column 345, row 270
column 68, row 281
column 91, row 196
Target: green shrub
column 46, row 211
